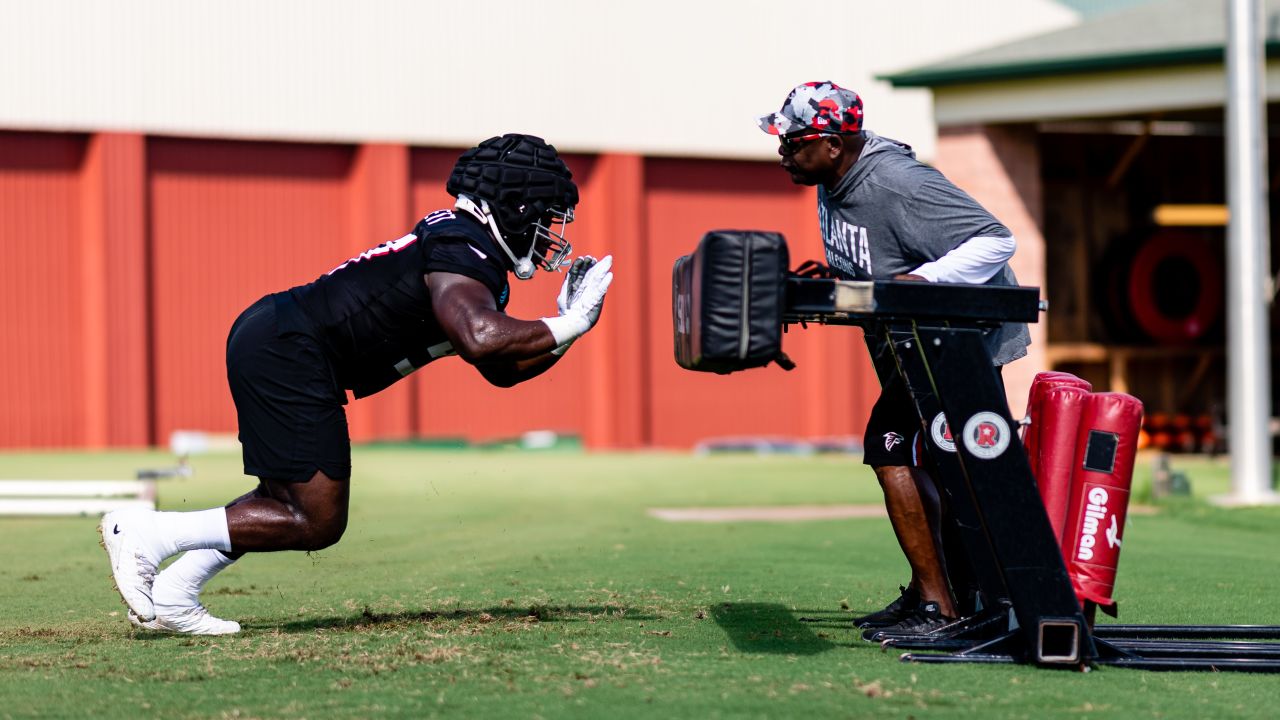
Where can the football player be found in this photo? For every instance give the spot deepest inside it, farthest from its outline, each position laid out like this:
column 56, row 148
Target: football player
column 438, row 291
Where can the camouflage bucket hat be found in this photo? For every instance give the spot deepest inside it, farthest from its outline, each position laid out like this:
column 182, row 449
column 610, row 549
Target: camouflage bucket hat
column 819, row 106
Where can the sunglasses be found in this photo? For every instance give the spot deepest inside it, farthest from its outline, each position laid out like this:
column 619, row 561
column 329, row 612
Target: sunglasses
column 793, row 143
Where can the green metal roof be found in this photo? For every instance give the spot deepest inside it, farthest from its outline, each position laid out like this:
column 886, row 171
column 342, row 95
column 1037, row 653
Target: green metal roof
column 1089, row 8
column 1172, row 32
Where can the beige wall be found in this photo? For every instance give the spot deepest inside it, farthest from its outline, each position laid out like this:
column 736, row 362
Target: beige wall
column 1000, row 167
column 659, row 77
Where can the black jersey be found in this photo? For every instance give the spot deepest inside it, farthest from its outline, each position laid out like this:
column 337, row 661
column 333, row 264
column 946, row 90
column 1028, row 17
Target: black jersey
column 373, row 312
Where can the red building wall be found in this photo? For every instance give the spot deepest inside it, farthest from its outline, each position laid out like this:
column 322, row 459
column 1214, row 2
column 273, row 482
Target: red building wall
column 230, row 222
column 128, row 258
column 48, row 309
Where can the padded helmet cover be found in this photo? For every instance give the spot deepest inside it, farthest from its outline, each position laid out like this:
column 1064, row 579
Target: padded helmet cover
column 520, row 176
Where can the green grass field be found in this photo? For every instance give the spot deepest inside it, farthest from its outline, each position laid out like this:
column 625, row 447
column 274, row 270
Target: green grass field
column 508, row 584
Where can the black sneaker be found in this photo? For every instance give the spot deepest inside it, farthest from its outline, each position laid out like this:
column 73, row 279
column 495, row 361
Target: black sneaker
column 926, row 619
column 894, row 613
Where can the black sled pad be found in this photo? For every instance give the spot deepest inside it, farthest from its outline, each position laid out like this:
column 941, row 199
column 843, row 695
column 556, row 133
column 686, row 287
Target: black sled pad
column 727, row 302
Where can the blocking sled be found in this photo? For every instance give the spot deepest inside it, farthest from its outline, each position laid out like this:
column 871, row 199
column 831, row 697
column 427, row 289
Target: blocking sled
column 1032, row 611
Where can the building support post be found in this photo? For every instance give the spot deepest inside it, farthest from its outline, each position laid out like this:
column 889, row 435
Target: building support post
column 1248, row 261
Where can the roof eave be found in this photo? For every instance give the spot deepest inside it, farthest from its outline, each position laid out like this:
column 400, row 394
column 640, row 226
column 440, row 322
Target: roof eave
column 939, row 76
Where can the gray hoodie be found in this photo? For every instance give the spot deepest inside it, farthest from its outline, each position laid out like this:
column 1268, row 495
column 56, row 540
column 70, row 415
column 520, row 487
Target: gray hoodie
column 890, row 214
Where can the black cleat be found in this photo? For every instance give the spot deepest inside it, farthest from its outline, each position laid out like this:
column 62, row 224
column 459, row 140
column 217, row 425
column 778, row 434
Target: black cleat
column 926, row 619
column 897, row 611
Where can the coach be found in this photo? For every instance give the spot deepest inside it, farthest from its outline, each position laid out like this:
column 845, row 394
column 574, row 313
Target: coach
column 885, row 215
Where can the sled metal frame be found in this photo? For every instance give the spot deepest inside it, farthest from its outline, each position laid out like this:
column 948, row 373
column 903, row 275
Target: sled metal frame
column 933, row 333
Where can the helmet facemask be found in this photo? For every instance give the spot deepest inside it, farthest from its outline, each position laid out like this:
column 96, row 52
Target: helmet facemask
column 547, row 240
column 542, row 234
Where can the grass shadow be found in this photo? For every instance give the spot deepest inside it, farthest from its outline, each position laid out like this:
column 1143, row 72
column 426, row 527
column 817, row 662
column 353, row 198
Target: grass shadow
column 834, row 619
column 768, row 628
column 368, row 618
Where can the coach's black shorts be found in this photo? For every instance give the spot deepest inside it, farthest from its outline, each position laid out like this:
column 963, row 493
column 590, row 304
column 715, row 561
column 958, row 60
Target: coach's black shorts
column 894, row 434
column 892, row 437
column 288, row 402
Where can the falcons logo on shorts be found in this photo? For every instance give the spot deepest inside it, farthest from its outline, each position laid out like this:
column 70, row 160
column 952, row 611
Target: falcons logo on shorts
column 891, row 440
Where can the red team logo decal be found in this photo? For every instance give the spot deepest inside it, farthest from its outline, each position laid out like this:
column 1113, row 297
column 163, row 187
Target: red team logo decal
column 986, row 435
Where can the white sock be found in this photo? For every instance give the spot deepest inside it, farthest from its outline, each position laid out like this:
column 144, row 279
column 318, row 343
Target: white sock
column 180, row 583
column 181, row 531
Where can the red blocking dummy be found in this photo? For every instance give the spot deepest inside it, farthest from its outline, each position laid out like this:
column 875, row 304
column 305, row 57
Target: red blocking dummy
column 1043, row 382
column 1106, row 443
column 1060, row 408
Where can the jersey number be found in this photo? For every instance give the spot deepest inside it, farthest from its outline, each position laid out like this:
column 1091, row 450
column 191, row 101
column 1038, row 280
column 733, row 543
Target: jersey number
column 385, row 248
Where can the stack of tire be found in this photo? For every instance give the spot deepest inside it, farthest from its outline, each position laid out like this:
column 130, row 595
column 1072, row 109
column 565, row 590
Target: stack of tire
column 1179, row 433
column 1166, row 288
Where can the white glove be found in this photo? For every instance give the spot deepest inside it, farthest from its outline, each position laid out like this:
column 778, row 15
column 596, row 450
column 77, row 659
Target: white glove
column 582, row 309
column 593, row 313
column 569, row 289
column 573, row 281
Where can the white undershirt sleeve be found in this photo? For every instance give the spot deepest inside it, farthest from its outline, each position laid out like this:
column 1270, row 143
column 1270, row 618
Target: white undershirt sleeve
column 973, row 261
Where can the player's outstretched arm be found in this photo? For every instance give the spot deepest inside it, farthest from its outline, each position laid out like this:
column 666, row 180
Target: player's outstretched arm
column 479, row 332
column 507, row 350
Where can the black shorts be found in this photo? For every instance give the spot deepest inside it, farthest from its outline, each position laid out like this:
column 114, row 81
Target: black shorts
column 288, row 401
column 893, row 435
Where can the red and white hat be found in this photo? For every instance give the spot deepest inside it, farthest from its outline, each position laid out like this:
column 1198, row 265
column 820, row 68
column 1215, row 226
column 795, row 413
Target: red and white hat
column 816, row 106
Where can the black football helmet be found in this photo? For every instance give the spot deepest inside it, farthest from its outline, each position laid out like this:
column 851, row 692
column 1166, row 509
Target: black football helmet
column 520, row 188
